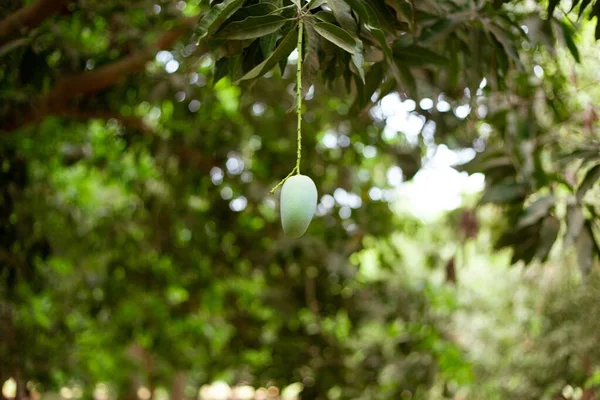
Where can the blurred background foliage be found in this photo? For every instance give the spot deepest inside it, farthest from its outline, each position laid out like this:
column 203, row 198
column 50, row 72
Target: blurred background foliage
column 141, row 255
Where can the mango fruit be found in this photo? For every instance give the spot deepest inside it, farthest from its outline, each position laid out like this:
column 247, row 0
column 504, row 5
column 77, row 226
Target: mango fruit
column 298, row 204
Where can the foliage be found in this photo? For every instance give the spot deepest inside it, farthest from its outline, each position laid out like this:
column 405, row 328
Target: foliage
column 139, row 242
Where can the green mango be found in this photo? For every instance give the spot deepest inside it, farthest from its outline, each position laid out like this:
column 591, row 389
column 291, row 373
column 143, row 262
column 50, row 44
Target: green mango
column 298, row 204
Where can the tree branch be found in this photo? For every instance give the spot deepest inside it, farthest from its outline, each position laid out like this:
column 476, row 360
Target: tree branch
column 127, row 121
column 28, row 17
column 70, row 87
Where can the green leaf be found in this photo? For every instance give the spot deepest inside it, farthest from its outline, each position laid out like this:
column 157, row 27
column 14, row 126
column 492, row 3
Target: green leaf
column 252, row 27
column 551, row 6
column 337, row 36
column 369, row 18
column 585, row 251
column 585, row 155
column 536, row 211
column 417, row 55
column 326, row 16
column 365, row 13
column 252, row 56
column 548, row 234
column 268, row 42
column 283, row 50
column 568, row 35
column 592, row 175
column 255, row 10
column 575, row 221
column 215, row 16
column 583, row 6
column 402, row 9
column 358, row 61
column 407, row 79
column 507, row 44
column 316, row 3
column 505, row 193
column 372, row 81
column 343, row 14
column 443, row 27
column 311, row 58
column 226, row 66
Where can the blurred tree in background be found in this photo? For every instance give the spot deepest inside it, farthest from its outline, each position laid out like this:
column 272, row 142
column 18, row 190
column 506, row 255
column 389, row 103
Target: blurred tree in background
column 140, row 248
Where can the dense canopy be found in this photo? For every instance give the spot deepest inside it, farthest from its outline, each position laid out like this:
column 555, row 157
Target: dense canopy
column 140, row 246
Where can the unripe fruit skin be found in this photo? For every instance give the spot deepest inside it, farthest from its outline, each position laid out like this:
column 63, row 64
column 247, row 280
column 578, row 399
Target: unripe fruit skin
column 297, row 205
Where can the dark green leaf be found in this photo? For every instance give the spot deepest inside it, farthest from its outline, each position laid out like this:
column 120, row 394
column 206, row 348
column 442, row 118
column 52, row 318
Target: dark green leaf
column 551, row 6
column 326, row 16
column 283, row 50
column 215, row 16
column 225, row 67
column 525, row 248
column 568, row 36
column 442, row 28
column 583, row 6
column 591, row 177
column 508, row 45
column 337, row 36
column 252, row 27
column 311, row 58
column 585, row 155
column 505, row 193
column 365, row 13
column 407, row 79
column 417, row 55
column 548, row 234
column 255, row 10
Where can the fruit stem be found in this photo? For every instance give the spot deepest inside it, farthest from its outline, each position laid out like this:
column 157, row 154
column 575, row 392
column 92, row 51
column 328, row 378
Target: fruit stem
column 298, row 104
column 299, row 94
column 283, row 181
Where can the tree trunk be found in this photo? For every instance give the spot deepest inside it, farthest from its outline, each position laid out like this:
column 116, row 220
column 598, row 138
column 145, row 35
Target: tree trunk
column 178, row 389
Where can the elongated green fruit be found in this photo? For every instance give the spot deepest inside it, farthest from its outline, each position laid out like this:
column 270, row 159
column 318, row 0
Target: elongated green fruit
column 298, row 204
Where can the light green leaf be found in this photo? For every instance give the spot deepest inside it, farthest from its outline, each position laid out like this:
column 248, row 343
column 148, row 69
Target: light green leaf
column 358, row 60
column 316, row 3
column 536, row 211
column 252, row 27
column 337, row 36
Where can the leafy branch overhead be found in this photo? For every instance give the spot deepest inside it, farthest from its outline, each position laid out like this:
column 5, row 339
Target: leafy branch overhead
column 407, row 40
